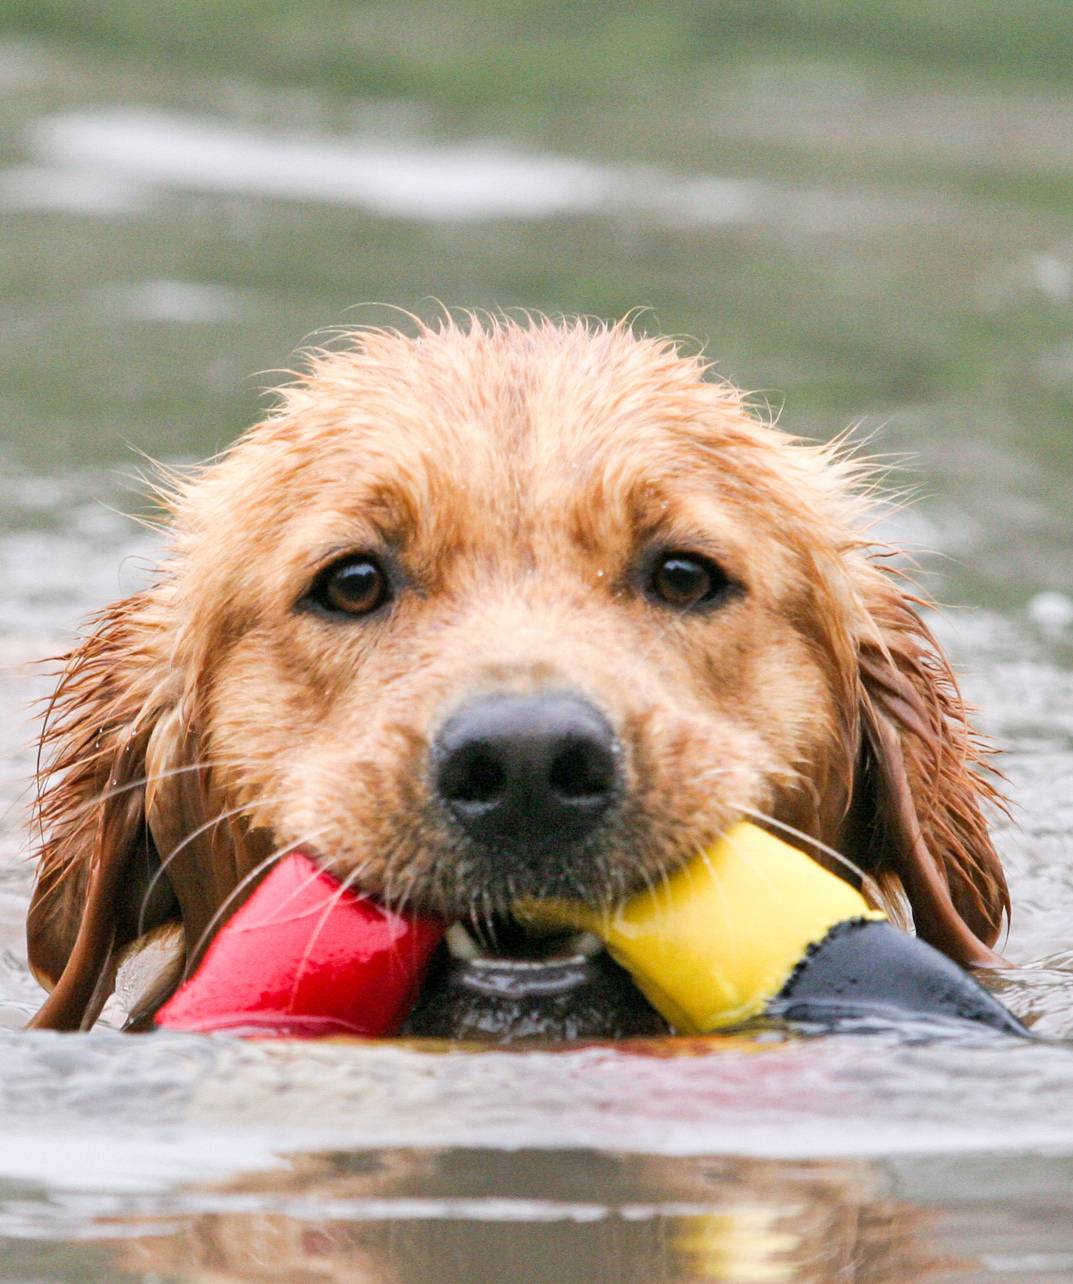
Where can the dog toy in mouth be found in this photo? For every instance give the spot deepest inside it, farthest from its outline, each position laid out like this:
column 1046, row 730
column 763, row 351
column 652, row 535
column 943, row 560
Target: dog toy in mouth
column 306, row 957
column 755, row 926
column 752, row 926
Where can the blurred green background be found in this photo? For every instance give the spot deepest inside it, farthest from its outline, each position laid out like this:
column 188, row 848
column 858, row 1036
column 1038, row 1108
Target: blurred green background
column 863, row 210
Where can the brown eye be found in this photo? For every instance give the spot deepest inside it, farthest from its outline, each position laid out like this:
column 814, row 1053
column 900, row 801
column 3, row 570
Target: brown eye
column 354, row 587
column 686, row 580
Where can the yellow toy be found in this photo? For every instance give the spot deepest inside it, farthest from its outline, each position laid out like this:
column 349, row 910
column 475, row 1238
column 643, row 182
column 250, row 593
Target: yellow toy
column 711, row 945
column 754, row 925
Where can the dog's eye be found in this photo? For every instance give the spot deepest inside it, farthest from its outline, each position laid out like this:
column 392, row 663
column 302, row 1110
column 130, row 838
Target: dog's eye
column 356, row 586
column 685, row 580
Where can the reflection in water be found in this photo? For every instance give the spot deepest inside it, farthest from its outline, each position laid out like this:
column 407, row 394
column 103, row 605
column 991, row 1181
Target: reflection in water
column 413, row 1216
column 407, row 1216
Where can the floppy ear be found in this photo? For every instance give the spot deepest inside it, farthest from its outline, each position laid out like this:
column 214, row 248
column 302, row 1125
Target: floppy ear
column 916, row 815
column 99, row 882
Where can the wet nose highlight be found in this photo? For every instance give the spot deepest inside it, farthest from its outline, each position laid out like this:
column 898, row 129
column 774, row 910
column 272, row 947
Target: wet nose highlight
column 529, row 770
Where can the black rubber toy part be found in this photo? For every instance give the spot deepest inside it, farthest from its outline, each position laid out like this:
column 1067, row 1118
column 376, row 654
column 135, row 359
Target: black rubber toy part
column 865, row 968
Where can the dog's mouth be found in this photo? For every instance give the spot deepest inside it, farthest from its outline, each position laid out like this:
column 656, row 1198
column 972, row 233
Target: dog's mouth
column 498, row 982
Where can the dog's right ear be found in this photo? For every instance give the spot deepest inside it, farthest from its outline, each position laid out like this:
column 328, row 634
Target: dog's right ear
column 99, row 879
column 924, row 783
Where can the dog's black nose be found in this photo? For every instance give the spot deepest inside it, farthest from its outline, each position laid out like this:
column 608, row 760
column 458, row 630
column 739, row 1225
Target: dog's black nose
column 527, row 771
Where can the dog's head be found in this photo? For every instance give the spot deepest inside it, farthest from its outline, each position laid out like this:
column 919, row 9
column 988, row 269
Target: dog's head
column 495, row 611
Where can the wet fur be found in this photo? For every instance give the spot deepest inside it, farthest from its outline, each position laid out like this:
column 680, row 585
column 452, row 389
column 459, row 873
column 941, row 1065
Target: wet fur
column 516, row 477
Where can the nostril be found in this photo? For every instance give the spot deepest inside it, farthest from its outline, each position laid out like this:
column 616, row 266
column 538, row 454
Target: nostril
column 581, row 772
column 473, row 775
column 528, row 772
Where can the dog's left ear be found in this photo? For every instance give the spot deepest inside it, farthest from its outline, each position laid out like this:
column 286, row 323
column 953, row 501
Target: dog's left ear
column 129, row 830
column 921, row 783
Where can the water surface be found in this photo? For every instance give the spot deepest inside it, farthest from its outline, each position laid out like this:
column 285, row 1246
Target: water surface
column 868, row 230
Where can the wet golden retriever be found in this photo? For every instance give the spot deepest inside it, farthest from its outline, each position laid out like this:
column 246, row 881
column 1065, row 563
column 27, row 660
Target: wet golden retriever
column 496, row 609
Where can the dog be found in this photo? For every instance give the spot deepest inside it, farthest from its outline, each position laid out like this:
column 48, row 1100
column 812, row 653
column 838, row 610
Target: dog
column 501, row 608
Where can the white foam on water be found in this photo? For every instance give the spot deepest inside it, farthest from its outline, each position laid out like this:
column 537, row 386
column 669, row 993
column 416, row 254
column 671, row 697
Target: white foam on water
column 85, row 155
column 70, row 191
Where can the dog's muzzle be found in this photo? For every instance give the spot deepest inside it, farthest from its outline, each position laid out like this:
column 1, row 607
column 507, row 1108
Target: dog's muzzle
column 529, row 784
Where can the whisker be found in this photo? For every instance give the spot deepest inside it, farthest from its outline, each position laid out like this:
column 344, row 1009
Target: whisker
column 818, row 844
column 307, row 953
column 208, row 824
column 717, row 882
column 407, row 892
column 399, row 906
column 205, row 764
column 665, row 886
column 392, row 900
column 221, row 910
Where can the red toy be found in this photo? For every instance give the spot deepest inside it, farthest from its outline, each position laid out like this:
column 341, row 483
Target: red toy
column 303, row 958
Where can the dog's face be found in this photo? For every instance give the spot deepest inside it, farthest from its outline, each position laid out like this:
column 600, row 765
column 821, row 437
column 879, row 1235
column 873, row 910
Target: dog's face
column 518, row 612
column 536, row 641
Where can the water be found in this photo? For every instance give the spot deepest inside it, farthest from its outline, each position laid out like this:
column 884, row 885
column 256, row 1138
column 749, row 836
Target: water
column 871, row 230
